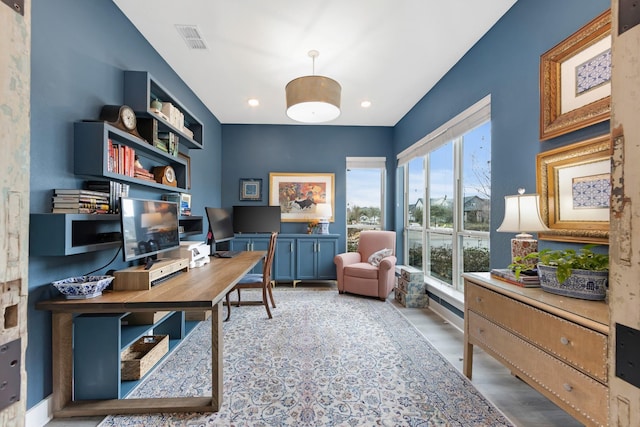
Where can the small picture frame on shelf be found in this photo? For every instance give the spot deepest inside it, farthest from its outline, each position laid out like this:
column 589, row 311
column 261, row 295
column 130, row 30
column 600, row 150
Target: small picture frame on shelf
column 251, row 189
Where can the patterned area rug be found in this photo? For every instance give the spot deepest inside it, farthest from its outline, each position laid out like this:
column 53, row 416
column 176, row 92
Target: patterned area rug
column 323, row 360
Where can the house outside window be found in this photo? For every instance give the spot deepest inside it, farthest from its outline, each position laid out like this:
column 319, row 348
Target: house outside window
column 448, row 198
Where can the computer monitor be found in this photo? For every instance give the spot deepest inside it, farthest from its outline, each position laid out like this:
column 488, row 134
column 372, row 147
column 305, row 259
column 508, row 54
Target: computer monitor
column 149, row 227
column 256, row 219
column 220, row 226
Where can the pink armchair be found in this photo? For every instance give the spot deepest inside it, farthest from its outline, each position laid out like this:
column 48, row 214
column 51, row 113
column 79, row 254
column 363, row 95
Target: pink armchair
column 356, row 274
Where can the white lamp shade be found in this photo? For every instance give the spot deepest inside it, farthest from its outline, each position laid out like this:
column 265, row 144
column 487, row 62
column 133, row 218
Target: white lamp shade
column 323, row 210
column 522, row 214
column 313, row 99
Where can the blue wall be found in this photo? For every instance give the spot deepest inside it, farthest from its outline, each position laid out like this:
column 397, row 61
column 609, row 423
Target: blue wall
column 80, row 48
column 79, row 52
column 252, row 151
column 505, row 63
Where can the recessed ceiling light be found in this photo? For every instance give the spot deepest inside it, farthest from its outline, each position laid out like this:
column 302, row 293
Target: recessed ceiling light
column 365, row 104
column 253, row 102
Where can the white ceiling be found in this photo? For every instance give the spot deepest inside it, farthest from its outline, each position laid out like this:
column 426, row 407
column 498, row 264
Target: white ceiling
column 389, row 52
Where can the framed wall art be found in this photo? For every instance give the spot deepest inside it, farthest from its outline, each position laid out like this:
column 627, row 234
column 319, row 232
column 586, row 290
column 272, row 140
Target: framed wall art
column 575, row 80
column 574, row 183
column 297, row 194
column 251, row 189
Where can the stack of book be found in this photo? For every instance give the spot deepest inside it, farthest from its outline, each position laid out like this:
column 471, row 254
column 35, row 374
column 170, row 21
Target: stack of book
column 121, row 159
column 168, row 142
column 509, row 276
column 80, row 201
column 142, row 173
column 113, row 189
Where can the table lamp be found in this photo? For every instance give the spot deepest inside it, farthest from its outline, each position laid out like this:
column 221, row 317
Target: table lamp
column 323, row 212
column 522, row 215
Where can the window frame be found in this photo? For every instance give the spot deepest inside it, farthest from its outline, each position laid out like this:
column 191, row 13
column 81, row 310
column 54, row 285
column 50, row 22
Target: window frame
column 451, row 132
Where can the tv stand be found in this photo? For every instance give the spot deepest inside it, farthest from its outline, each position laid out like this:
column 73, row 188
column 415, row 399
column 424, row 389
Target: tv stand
column 139, row 278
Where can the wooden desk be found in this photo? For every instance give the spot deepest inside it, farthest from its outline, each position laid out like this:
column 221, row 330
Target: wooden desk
column 556, row 344
column 201, row 288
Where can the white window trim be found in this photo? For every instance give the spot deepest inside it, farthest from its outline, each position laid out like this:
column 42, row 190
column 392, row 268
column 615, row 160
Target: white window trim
column 473, row 116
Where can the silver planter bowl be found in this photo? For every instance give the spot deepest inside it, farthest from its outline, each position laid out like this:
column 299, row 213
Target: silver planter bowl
column 583, row 284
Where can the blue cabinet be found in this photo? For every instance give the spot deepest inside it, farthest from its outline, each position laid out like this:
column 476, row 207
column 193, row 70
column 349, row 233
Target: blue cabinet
column 298, row 256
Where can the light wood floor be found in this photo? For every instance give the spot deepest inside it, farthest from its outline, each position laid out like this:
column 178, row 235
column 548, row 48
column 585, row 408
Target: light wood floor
column 524, row 406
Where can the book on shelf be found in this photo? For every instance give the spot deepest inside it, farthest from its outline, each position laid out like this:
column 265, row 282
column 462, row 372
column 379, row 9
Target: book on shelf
column 80, row 199
column 80, row 210
column 171, row 141
column 509, row 276
column 82, row 205
column 121, row 159
column 114, row 191
column 78, row 192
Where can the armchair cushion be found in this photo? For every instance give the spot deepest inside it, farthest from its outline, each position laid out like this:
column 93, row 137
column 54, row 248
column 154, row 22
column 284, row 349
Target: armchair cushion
column 376, row 257
column 364, row 270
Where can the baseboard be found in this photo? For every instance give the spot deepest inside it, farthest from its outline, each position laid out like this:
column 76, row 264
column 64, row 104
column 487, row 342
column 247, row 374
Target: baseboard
column 446, row 314
column 40, row 414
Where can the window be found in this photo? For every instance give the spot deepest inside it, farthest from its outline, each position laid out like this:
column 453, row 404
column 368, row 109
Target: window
column 448, row 197
column 365, row 196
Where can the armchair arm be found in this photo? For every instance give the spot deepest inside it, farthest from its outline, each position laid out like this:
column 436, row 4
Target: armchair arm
column 386, row 276
column 342, row 260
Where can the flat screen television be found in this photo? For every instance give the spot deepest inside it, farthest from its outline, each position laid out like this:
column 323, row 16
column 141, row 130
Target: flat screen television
column 256, row 219
column 149, row 227
column 220, row 225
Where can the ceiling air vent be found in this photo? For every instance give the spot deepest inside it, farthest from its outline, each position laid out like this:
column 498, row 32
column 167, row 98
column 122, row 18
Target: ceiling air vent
column 191, row 36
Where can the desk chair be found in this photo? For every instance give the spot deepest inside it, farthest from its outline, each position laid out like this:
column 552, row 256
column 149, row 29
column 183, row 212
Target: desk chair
column 257, row 281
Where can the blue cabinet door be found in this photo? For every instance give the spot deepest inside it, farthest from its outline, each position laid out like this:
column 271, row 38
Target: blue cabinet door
column 326, row 251
column 284, row 260
column 259, row 244
column 240, row 244
column 306, row 259
column 253, row 243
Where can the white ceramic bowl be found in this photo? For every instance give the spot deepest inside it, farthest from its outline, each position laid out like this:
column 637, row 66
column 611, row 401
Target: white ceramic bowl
column 83, row 287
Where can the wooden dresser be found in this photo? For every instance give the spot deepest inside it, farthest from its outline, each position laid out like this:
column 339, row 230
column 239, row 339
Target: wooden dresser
column 556, row 344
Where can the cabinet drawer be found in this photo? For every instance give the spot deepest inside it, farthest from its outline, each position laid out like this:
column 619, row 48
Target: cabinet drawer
column 577, row 393
column 581, row 347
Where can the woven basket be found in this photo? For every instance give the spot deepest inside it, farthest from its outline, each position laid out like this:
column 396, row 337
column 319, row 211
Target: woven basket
column 139, row 357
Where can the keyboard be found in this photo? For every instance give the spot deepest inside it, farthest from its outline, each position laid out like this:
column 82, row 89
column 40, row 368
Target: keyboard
column 165, row 278
column 226, row 254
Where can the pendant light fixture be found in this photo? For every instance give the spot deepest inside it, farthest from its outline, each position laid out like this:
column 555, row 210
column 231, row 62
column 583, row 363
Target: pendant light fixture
column 313, row 99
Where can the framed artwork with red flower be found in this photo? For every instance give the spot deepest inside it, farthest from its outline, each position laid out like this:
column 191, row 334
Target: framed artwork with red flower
column 298, row 194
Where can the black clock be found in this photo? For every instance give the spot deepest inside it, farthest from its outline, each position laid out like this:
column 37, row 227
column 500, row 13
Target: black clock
column 121, row 116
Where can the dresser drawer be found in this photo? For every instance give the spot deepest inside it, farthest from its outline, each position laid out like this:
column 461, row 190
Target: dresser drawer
column 578, row 346
column 577, row 393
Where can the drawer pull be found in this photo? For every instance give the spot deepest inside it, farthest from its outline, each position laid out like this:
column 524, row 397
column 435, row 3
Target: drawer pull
column 478, row 299
column 564, row 341
column 567, row 387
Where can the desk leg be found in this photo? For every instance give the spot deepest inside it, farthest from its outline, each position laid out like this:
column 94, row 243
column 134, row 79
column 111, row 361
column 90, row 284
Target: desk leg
column 62, row 359
column 216, row 356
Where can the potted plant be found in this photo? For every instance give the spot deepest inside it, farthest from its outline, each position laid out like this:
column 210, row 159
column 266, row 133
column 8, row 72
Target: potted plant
column 579, row 274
